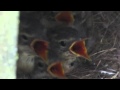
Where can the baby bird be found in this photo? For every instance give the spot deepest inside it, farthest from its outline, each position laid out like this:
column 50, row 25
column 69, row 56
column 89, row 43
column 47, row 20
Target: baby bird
column 32, row 61
column 66, row 44
column 25, row 63
column 62, row 41
column 29, row 30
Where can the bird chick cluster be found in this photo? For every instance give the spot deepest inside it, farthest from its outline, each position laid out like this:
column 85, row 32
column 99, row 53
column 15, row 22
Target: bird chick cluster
column 59, row 51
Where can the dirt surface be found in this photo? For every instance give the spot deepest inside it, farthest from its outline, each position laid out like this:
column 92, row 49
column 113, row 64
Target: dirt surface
column 102, row 30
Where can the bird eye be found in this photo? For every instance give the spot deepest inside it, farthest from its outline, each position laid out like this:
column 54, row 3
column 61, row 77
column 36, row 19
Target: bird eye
column 24, row 37
column 62, row 43
column 40, row 65
column 72, row 64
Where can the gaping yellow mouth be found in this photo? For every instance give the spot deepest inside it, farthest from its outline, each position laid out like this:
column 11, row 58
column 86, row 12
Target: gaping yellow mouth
column 65, row 16
column 56, row 70
column 79, row 49
column 41, row 48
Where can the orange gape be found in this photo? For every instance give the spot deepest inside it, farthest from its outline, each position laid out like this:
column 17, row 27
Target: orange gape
column 41, row 48
column 65, row 16
column 79, row 49
column 56, row 70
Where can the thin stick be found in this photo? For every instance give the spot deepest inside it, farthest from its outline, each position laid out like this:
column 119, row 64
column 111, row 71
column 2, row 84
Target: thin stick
column 115, row 76
column 112, row 49
column 98, row 64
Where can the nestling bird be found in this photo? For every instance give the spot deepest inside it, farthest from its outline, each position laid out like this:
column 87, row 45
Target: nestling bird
column 62, row 37
column 29, row 30
column 32, row 60
column 66, row 43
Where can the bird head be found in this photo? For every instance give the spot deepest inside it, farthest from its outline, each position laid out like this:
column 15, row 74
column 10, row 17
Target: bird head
column 79, row 49
column 40, row 47
column 65, row 17
column 56, row 70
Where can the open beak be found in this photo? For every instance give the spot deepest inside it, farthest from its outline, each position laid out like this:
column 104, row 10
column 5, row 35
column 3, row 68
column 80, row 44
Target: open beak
column 79, row 49
column 65, row 16
column 41, row 48
column 56, row 70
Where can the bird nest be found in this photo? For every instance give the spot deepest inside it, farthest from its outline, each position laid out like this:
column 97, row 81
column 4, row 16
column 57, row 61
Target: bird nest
column 105, row 52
